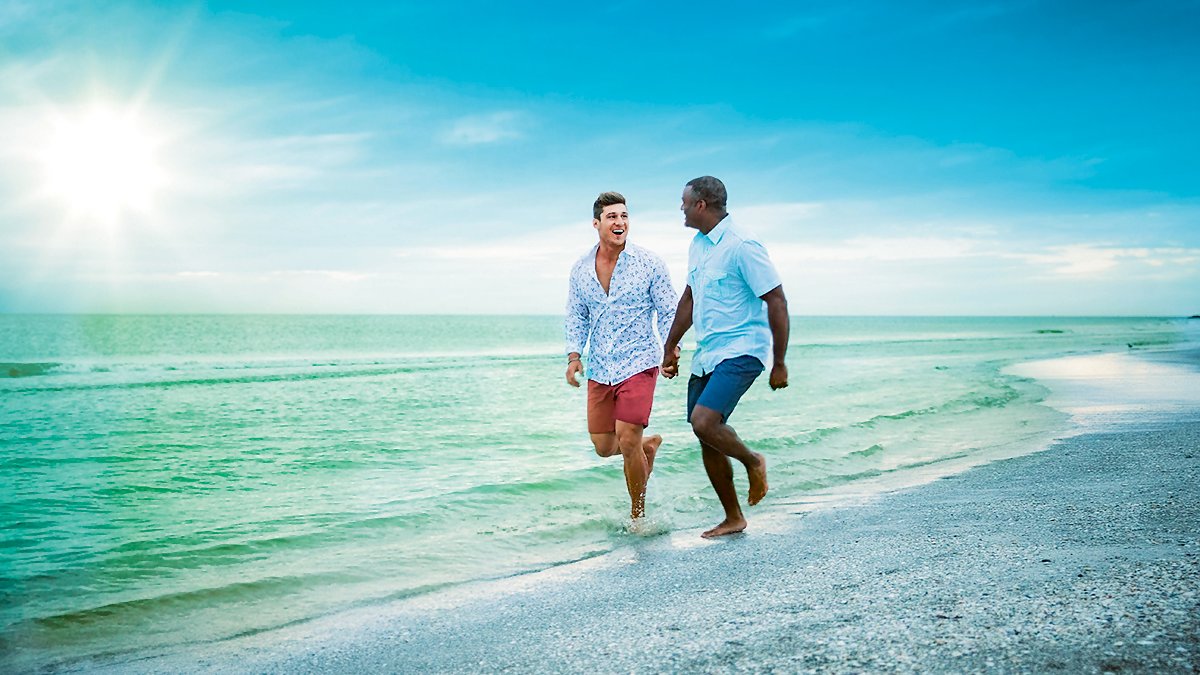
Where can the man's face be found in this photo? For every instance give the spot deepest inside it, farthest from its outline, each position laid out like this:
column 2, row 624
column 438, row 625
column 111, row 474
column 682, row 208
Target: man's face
column 690, row 209
column 613, row 225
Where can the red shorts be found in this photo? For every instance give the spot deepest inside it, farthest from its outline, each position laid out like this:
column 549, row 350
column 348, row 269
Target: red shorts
column 628, row 401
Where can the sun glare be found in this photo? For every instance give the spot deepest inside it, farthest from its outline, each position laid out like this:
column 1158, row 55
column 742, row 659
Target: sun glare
column 101, row 164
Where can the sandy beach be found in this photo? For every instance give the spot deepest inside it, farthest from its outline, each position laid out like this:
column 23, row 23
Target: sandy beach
column 1082, row 558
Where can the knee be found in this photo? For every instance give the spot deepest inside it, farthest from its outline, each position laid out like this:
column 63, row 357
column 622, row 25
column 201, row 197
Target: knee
column 705, row 425
column 629, row 441
column 605, row 448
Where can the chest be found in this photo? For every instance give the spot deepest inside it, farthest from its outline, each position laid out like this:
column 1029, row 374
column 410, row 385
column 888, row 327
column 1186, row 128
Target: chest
column 624, row 282
column 604, row 272
column 708, row 262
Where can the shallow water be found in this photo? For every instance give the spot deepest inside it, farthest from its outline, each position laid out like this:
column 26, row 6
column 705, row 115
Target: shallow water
column 173, row 479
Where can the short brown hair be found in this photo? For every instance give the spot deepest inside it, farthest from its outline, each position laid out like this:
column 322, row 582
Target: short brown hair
column 606, row 199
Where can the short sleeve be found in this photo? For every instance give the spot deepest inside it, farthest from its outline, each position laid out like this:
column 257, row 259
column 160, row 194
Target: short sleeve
column 756, row 268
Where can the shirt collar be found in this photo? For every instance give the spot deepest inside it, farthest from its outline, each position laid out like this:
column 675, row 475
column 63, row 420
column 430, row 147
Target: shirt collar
column 717, row 233
column 629, row 249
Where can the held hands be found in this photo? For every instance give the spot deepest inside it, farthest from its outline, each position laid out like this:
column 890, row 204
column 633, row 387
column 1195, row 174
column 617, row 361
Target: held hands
column 670, row 364
column 575, row 367
column 778, row 376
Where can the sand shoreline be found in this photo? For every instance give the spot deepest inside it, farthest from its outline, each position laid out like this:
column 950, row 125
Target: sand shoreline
column 1083, row 557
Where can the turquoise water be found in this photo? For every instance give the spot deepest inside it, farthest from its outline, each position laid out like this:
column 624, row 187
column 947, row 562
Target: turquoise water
column 172, row 479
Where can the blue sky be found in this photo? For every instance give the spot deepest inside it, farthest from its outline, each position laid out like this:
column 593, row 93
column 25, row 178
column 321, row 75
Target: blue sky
column 930, row 158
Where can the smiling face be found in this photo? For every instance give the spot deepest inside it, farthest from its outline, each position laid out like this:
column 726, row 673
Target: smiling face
column 690, row 208
column 612, row 225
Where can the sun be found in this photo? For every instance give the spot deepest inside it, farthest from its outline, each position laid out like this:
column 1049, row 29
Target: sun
column 101, row 163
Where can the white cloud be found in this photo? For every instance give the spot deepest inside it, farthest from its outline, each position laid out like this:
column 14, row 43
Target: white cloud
column 483, row 129
column 881, row 249
column 783, row 218
column 1097, row 260
column 486, row 251
column 1076, row 261
column 330, row 275
column 249, row 164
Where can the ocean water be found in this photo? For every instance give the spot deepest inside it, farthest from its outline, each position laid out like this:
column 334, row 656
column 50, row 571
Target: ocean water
column 179, row 479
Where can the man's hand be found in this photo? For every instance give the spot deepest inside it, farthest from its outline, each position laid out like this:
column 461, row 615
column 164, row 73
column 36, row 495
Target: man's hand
column 575, row 367
column 778, row 376
column 670, row 364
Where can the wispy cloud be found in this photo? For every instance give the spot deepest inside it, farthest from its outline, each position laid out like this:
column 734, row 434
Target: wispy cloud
column 257, row 164
column 1098, row 261
column 782, row 214
column 483, row 129
column 879, row 249
column 331, row 275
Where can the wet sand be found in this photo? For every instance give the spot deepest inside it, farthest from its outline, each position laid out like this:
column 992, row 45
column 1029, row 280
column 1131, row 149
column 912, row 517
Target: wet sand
column 1082, row 558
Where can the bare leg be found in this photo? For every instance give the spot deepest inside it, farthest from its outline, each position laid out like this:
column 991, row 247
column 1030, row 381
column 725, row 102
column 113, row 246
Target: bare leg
column 650, row 447
column 716, row 436
column 629, row 440
column 606, row 444
column 758, row 480
column 712, row 430
column 720, row 474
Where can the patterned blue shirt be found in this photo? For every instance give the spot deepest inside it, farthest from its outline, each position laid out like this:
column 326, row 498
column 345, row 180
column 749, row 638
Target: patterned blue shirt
column 729, row 272
column 618, row 327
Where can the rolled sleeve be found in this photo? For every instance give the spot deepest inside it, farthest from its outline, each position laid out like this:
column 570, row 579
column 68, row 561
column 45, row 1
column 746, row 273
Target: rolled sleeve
column 577, row 321
column 662, row 295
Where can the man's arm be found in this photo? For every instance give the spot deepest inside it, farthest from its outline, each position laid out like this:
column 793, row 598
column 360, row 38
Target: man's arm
column 663, row 298
column 680, row 326
column 576, row 330
column 777, row 317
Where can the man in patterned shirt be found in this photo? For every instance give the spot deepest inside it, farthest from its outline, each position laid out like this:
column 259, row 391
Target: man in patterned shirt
column 615, row 291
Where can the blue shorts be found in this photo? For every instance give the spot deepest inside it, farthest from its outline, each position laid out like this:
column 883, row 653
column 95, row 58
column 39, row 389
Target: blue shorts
column 723, row 387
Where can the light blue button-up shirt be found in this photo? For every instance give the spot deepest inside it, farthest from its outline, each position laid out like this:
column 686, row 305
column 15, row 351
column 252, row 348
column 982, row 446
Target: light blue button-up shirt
column 729, row 272
column 618, row 327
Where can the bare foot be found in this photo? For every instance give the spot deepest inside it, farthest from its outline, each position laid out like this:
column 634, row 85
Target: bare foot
column 650, row 447
column 758, row 479
column 727, row 526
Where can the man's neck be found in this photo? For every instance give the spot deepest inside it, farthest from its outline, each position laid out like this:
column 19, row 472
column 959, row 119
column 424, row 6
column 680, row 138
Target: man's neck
column 710, row 228
column 609, row 252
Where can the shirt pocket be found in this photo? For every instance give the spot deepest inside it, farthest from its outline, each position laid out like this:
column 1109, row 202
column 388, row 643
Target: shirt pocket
column 721, row 286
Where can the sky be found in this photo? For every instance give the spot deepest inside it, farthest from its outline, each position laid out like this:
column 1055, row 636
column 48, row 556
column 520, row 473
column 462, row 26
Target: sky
column 918, row 158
